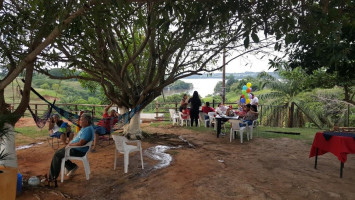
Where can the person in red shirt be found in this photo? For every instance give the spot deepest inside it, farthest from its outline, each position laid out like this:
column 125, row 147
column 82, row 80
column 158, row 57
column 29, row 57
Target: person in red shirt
column 105, row 125
column 206, row 109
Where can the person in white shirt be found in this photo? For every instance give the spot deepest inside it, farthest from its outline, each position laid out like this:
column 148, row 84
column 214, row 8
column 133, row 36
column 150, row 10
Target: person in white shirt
column 254, row 100
column 221, row 109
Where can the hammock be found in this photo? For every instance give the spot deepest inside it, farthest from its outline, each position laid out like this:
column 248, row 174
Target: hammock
column 40, row 122
column 122, row 119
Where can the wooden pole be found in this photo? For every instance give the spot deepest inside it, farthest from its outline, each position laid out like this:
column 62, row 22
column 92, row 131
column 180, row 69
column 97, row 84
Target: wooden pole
column 224, row 78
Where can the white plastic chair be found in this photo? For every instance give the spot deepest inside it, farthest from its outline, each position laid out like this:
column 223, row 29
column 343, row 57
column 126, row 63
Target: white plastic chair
column 253, row 126
column 174, row 116
column 182, row 120
column 235, row 127
column 212, row 119
column 202, row 118
column 125, row 149
column 84, row 159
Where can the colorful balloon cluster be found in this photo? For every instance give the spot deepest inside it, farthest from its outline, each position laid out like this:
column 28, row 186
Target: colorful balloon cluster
column 246, row 96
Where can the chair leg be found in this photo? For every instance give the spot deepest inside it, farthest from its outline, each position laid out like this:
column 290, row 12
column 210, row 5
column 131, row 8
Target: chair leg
column 114, row 163
column 251, row 133
column 241, row 136
column 62, row 168
column 126, row 160
column 87, row 169
column 140, row 150
column 230, row 135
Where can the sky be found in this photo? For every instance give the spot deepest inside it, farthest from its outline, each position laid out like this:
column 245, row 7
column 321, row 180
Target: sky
column 253, row 65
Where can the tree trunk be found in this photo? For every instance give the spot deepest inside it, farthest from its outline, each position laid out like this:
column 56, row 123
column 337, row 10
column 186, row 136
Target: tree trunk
column 133, row 129
column 8, row 146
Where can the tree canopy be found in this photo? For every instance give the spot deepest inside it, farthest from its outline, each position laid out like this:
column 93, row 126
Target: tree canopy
column 324, row 40
column 135, row 50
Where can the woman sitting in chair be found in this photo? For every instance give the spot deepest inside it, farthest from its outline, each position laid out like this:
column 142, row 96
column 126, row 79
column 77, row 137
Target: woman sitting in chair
column 251, row 115
column 60, row 129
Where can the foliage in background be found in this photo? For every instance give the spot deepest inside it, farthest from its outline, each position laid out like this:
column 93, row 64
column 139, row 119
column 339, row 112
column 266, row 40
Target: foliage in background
column 323, row 43
column 179, row 84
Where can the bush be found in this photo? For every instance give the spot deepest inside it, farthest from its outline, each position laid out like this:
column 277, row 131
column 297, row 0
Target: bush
column 45, row 86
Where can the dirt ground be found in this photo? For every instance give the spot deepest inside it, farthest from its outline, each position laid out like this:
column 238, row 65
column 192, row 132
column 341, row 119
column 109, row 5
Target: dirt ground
column 210, row 168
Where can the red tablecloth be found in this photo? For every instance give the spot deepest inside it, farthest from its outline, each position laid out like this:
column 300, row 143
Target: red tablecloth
column 340, row 146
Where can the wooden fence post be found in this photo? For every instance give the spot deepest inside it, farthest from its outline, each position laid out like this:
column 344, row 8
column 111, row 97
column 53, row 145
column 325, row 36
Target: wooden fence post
column 36, row 109
column 176, row 106
column 156, row 109
column 290, row 115
column 261, row 114
column 348, row 117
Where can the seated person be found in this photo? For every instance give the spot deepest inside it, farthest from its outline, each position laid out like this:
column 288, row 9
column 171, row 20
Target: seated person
column 251, row 115
column 221, row 109
column 105, row 125
column 206, row 109
column 243, row 112
column 60, row 129
column 85, row 135
column 183, row 103
column 185, row 114
column 77, row 128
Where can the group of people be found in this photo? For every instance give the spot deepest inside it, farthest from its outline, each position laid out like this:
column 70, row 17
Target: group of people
column 86, row 132
column 194, row 110
column 191, row 107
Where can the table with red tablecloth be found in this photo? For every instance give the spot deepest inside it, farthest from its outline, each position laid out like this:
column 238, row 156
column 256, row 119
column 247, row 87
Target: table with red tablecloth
column 339, row 144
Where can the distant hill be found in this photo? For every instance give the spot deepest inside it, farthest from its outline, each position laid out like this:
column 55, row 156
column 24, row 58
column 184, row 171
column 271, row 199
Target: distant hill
column 236, row 75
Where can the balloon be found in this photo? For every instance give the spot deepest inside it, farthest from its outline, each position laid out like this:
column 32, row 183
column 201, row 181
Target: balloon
column 251, row 89
column 248, row 90
column 244, row 92
column 249, row 96
column 245, row 87
column 249, row 85
column 246, row 96
column 242, row 100
column 247, row 101
column 243, row 96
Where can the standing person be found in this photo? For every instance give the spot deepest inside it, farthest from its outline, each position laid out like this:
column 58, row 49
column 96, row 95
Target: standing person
column 60, row 129
column 104, row 126
column 254, row 100
column 206, row 109
column 195, row 108
column 85, row 135
column 183, row 103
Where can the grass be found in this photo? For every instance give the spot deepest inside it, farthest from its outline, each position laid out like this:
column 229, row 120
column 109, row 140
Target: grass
column 32, row 131
column 306, row 134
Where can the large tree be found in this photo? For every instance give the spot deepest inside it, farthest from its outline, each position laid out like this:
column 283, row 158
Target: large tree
column 135, row 50
column 26, row 29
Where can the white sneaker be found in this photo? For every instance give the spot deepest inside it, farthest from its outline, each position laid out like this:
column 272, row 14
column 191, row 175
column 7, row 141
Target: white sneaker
column 71, row 172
